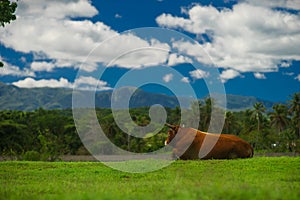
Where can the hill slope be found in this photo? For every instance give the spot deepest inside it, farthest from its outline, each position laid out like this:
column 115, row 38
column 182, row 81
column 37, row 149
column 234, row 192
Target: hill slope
column 14, row 98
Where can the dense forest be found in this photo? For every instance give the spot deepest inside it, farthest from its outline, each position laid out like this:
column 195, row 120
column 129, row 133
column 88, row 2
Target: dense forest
column 48, row 134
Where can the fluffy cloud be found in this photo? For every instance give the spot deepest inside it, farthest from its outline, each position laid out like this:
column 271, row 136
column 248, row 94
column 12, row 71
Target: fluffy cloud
column 145, row 53
column 48, row 29
column 175, row 59
column 289, row 4
column 229, row 74
column 194, row 50
column 53, row 83
column 57, row 8
column 82, row 83
column 42, row 66
column 298, row 77
column 239, row 39
column 199, row 74
column 11, row 70
column 185, row 80
column 285, row 64
column 90, row 83
column 168, row 77
column 259, row 75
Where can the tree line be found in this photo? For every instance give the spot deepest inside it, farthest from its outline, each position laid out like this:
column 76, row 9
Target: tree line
column 48, row 134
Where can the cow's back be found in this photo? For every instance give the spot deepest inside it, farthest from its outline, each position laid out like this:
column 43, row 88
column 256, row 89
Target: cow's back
column 216, row 146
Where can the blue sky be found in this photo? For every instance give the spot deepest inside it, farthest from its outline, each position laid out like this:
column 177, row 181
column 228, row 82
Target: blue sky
column 254, row 45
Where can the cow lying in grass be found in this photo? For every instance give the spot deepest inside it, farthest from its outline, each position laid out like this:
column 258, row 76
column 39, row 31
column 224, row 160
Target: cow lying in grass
column 188, row 142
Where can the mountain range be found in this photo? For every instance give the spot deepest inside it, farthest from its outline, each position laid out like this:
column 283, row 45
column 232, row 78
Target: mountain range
column 28, row 99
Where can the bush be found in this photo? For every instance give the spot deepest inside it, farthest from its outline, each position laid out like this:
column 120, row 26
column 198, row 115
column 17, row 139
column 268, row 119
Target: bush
column 31, row 156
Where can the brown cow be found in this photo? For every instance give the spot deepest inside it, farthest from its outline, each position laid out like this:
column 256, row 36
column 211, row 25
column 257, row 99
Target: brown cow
column 188, row 144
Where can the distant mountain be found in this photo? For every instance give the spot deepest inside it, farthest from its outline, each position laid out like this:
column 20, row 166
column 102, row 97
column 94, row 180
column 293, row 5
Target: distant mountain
column 141, row 98
column 14, row 98
column 237, row 102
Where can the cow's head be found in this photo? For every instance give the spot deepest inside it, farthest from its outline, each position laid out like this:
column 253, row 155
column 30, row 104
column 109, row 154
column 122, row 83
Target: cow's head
column 171, row 133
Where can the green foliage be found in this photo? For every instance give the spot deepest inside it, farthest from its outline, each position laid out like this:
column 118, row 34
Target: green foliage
column 279, row 117
column 7, row 10
column 294, row 110
column 52, row 133
column 231, row 123
column 50, row 147
column 256, row 178
column 14, row 136
column 31, row 156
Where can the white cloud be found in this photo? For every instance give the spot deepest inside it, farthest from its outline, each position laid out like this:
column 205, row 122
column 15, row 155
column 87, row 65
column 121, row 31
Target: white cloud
column 47, row 29
column 229, row 74
column 146, row 53
column 88, row 80
column 185, row 80
column 61, row 40
column 194, row 50
column 168, row 77
column 285, row 64
column 118, row 16
column 259, row 75
column 11, row 70
column 175, row 59
column 241, row 40
column 199, row 74
column 90, row 83
column 298, row 77
column 42, row 66
column 82, row 83
column 57, row 9
column 170, row 21
column 289, row 4
column 53, row 83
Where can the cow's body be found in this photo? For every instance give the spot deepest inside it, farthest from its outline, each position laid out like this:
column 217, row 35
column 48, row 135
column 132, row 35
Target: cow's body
column 187, row 143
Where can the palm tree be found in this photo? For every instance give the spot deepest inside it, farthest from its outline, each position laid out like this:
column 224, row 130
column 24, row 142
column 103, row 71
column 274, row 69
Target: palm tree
column 175, row 115
column 194, row 117
column 295, row 111
column 279, row 118
column 205, row 112
column 230, row 123
column 257, row 114
column 248, row 121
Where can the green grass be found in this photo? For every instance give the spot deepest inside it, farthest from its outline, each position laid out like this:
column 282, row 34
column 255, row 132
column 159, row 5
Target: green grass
column 256, row 178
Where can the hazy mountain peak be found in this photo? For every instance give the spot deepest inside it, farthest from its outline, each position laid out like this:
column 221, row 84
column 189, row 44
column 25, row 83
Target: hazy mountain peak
column 14, row 98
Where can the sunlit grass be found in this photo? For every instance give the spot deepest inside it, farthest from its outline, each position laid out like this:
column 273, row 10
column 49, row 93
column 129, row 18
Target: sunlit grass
column 256, row 178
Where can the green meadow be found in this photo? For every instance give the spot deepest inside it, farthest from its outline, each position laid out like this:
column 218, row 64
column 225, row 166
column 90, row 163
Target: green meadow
column 256, row 178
